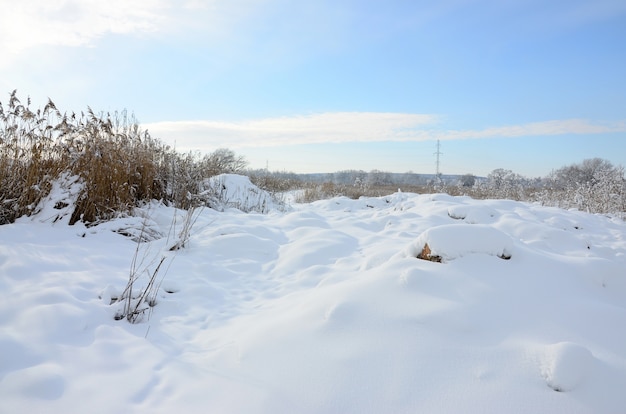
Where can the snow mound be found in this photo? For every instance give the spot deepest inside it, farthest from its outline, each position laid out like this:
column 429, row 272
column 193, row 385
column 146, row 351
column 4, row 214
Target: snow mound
column 58, row 206
column 226, row 191
column 451, row 241
column 472, row 214
column 566, row 365
column 138, row 229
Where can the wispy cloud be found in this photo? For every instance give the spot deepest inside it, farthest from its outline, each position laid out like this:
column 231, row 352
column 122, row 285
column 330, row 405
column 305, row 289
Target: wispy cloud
column 350, row 127
column 554, row 127
column 305, row 129
column 74, row 23
column 24, row 24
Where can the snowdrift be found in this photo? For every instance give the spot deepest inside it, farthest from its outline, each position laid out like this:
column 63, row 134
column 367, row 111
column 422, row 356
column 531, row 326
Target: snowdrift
column 226, row 191
column 321, row 309
column 448, row 242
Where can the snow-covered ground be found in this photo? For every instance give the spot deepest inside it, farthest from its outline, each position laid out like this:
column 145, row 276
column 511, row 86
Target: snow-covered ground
column 324, row 308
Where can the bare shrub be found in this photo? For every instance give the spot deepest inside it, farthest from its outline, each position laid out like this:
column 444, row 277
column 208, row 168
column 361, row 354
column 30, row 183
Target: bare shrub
column 222, row 161
column 275, row 182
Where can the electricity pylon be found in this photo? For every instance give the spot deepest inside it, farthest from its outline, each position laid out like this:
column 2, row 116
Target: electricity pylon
column 438, row 153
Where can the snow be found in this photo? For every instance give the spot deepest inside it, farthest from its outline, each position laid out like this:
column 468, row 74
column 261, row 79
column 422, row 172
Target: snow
column 226, row 191
column 323, row 307
column 451, row 241
column 566, row 365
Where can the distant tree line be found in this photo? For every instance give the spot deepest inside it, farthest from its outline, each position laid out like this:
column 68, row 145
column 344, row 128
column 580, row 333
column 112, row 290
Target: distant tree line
column 594, row 185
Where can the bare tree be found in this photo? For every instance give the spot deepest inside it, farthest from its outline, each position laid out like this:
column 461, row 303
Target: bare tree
column 583, row 174
column 223, row 161
column 468, row 180
column 503, row 183
column 377, row 177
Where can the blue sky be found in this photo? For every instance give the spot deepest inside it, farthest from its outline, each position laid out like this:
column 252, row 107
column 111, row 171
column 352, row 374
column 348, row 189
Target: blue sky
column 330, row 85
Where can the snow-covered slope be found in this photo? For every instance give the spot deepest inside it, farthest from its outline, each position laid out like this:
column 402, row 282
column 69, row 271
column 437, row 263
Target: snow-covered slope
column 323, row 309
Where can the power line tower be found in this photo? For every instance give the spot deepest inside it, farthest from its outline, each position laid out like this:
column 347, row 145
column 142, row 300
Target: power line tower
column 438, row 153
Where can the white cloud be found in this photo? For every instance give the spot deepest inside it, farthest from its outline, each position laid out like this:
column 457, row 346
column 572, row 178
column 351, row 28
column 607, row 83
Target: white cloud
column 555, row 127
column 349, row 127
column 25, row 24
column 306, row 129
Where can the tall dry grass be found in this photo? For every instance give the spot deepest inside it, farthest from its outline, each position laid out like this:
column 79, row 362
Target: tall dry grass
column 27, row 157
column 118, row 164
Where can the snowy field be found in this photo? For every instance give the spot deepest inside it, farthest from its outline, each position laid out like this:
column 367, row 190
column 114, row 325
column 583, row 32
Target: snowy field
column 324, row 308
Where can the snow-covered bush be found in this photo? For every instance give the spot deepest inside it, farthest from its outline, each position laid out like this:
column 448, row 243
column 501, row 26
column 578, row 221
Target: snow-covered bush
column 595, row 186
column 506, row 184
